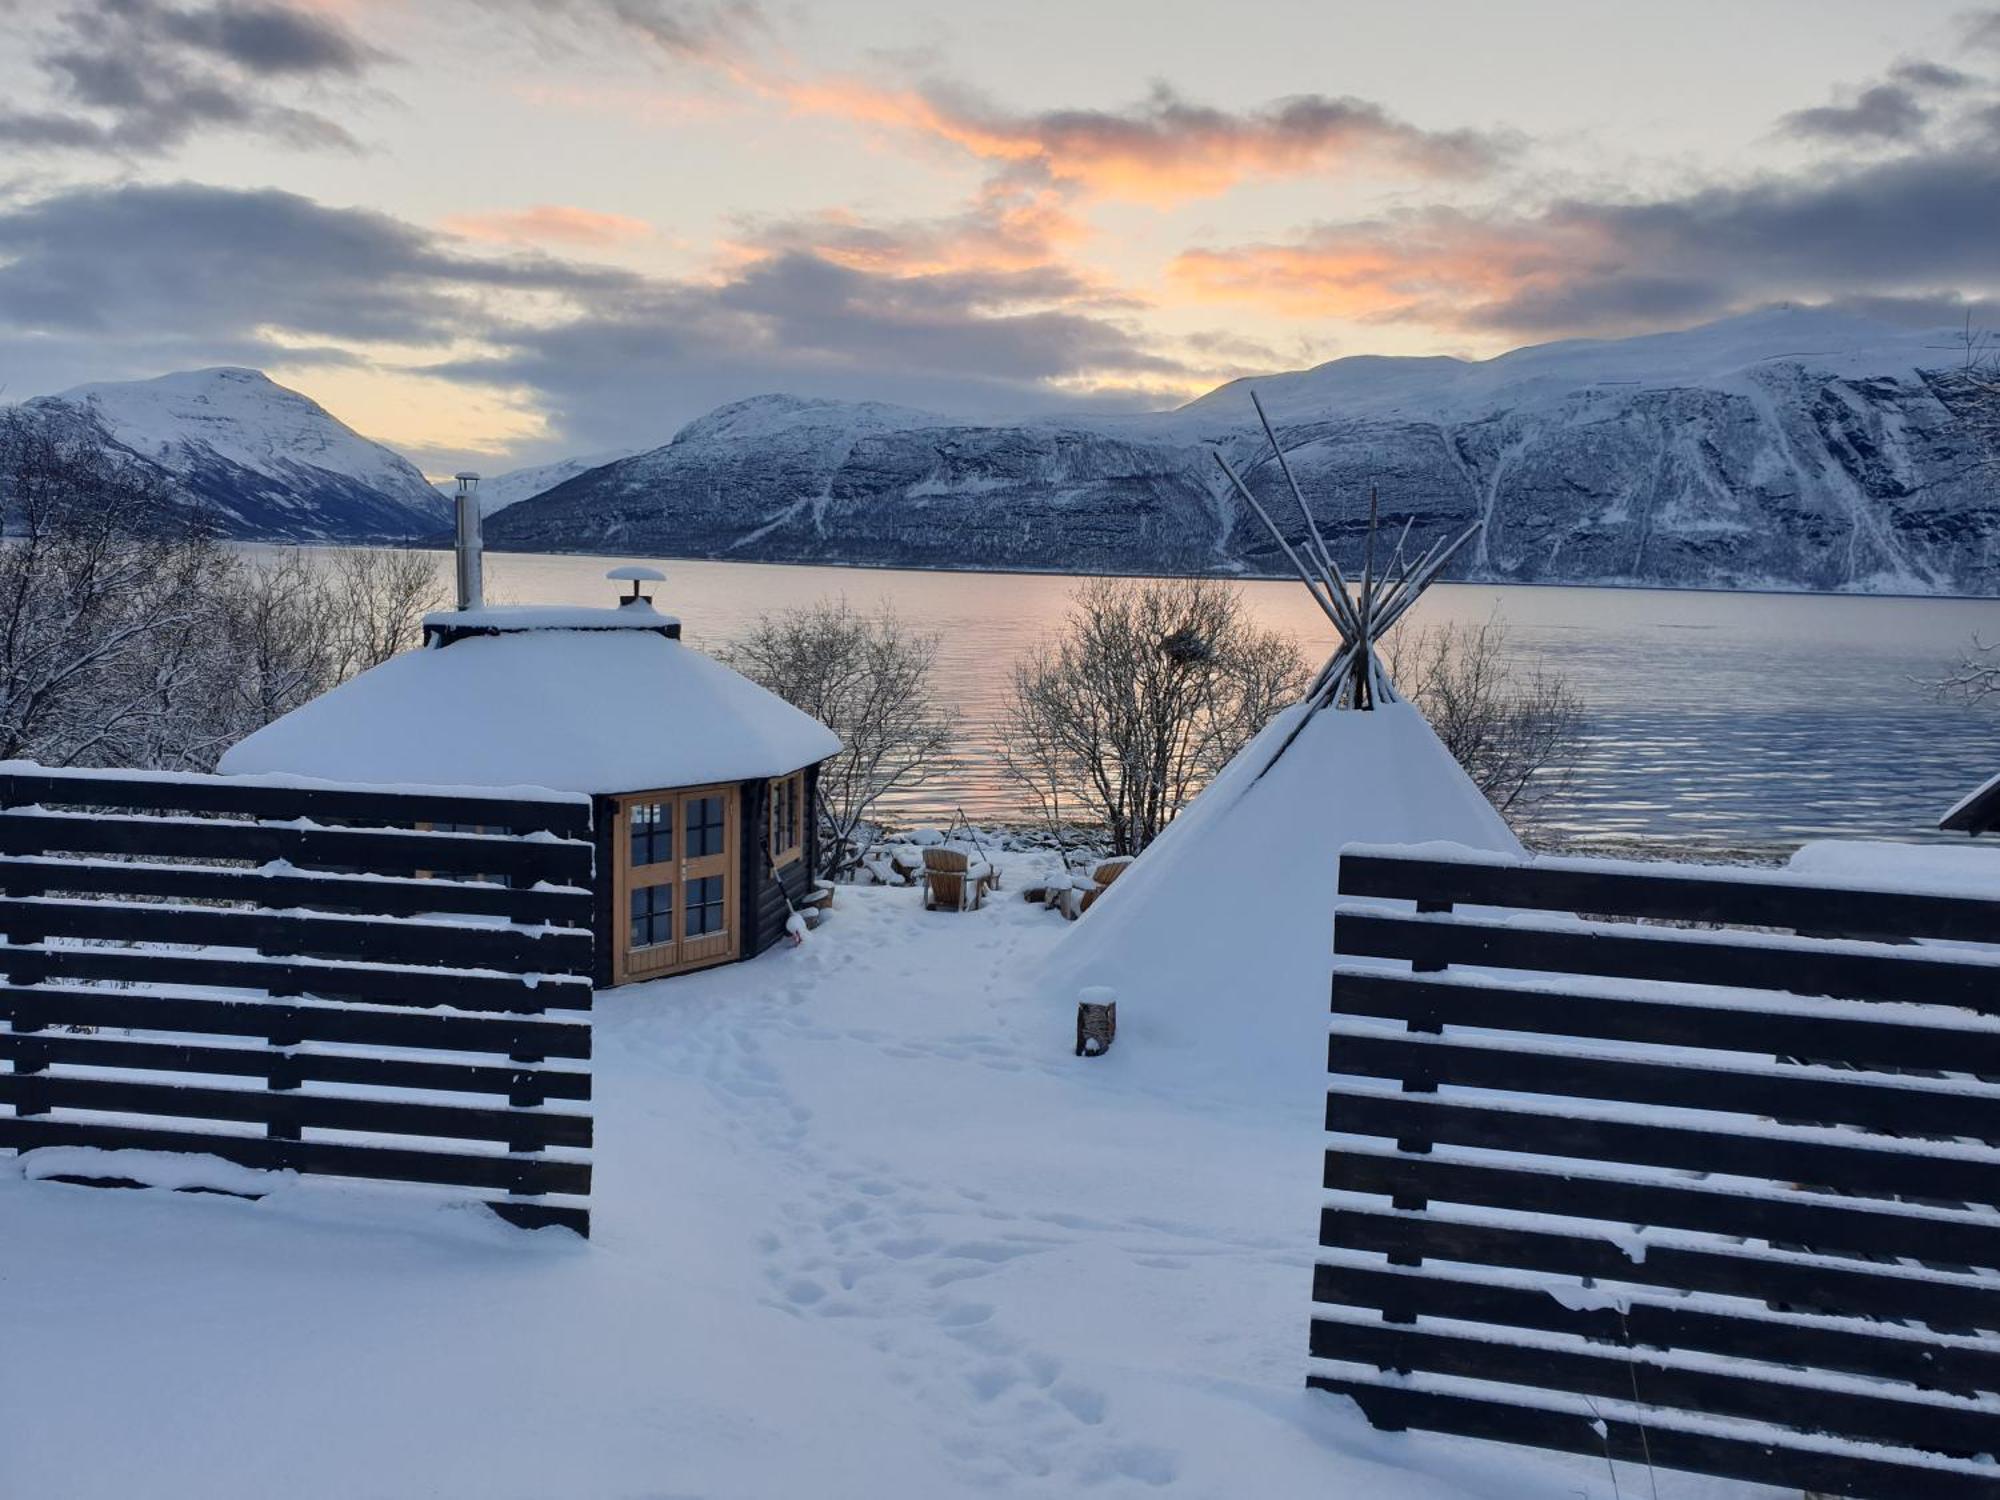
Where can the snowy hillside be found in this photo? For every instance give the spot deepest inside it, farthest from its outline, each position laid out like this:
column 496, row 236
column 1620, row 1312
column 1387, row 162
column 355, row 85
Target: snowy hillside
column 271, row 463
column 516, row 485
column 1789, row 448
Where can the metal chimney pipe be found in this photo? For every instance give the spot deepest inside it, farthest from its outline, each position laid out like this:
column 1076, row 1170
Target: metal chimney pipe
column 471, row 583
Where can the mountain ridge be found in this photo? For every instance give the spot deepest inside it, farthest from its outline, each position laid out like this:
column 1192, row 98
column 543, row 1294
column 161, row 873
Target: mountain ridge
column 1792, row 448
column 267, row 462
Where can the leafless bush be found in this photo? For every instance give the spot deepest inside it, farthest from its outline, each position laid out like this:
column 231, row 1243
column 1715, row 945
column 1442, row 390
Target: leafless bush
column 106, row 597
column 1516, row 727
column 1150, row 689
column 869, row 679
column 130, row 636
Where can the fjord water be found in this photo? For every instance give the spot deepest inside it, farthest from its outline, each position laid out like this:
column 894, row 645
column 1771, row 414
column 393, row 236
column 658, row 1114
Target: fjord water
column 1727, row 721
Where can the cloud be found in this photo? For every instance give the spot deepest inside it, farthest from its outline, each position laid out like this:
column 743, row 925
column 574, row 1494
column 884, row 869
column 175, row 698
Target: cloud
column 1982, row 29
column 550, row 224
column 139, row 77
column 108, row 282
column 1885, row 112
column 1008, row 226
column 1921, row 225
column 719, row 32
column 1930, row 75
column 193, row 262
column 262, row 38
column 1164, row 148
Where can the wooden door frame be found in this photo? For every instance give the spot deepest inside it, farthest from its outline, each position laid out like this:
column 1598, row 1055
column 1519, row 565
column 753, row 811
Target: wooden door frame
column 677, row 874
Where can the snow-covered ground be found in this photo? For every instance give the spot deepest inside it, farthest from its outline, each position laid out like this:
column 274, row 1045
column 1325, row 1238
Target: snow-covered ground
column 863, row 1227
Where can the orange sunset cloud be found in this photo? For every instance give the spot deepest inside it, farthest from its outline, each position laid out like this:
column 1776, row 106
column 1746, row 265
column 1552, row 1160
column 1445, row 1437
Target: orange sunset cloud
column 1387, row 269
column 549, row 224
column 1163, row 150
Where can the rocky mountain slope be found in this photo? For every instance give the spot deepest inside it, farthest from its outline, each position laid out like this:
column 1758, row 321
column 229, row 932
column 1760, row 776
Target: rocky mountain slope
column 502, row 490
column 1792, row 448
column 269, row 463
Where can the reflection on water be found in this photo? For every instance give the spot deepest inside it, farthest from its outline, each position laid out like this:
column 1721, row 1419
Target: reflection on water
column 1725, row 719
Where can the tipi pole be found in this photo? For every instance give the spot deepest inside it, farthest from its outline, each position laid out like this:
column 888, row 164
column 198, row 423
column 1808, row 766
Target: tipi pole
column 1415, row 588
column 1335, row 578
column 1344, row 626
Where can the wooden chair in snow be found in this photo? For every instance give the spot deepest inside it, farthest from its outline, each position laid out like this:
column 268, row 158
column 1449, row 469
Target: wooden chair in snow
column 954, row 879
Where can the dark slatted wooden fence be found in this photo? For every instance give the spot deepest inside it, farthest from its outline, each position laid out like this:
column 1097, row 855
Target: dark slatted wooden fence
column 1718, row 1197
column 326, row 979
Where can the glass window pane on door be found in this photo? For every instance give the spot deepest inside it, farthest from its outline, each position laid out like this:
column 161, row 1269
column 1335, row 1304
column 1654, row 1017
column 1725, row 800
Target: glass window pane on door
column 652, row 916
column 652, row 832
column 704, row 906
column 704, row 826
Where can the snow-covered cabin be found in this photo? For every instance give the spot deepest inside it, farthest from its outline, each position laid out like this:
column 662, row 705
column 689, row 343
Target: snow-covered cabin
column 704, row 784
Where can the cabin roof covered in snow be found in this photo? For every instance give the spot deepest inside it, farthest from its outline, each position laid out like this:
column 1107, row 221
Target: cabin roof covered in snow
column 1976, row 812
column 576, row 710
column 509, row 617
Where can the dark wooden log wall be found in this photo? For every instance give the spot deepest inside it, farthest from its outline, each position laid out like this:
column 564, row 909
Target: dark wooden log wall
column 1719, row 1197
column 172, row 939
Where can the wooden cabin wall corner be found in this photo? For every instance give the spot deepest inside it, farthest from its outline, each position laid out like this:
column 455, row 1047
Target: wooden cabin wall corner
column 604, row 825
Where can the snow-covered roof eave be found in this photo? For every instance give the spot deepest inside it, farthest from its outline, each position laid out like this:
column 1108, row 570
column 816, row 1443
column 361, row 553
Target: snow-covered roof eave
column 573, row 709
column 1975, row 812
column 523, row 617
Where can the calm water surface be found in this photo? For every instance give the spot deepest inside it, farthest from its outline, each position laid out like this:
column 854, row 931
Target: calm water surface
column 1724, row 720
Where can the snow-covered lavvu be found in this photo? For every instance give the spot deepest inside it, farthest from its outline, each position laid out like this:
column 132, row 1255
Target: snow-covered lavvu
column 863, row 1227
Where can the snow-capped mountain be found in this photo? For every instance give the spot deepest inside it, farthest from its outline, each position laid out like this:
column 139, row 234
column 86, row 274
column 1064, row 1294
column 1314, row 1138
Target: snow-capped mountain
column 516, row 485
column 1790, row 448
column 268, row 462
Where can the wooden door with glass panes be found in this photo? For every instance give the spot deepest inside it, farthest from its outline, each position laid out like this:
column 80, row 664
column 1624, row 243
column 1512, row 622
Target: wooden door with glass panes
column 674, row 887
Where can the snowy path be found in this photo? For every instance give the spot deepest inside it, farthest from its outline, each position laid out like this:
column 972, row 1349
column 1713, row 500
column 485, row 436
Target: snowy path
column 863, row 1227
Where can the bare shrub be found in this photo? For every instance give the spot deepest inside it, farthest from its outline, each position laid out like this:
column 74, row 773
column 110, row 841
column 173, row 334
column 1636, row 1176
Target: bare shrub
column 867, row 677
column 379, row 599
column 1516, row 727
column 107, row 596
column 1150, row 689
column 131, row 636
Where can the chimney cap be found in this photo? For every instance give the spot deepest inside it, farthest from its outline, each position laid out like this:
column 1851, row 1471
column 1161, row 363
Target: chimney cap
column 635, row 573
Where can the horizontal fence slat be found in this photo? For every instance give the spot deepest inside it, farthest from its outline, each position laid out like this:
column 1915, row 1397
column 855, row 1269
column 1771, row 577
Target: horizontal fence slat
column 292, row 1108
column 1818, row 1221
column 1759, row 1459
column 526, row 1036
column 1700, row 894
column 383, row 851
column 1784, row 1093
column 1634, row 1375
column 1434, row 1000
column 1431, row 1292
column 506, row 1174
column 318, row 904
column 1693, row 1229
column 384, row 985
column 543, row 1216
column 252, row 886
column 1797, row 966
column 1872, row 1164
column 463, row 945
column 42, row 1049
column 1794, row 1281
column 566, row 817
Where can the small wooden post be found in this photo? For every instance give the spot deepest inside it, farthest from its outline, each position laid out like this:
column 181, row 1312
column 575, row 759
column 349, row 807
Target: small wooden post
column 1096, row 1020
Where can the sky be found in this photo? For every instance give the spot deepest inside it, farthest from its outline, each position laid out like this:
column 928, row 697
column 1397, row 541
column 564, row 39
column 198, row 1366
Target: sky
column 500, row 232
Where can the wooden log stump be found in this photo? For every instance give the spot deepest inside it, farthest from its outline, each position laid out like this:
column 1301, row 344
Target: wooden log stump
column 1096, row 1020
